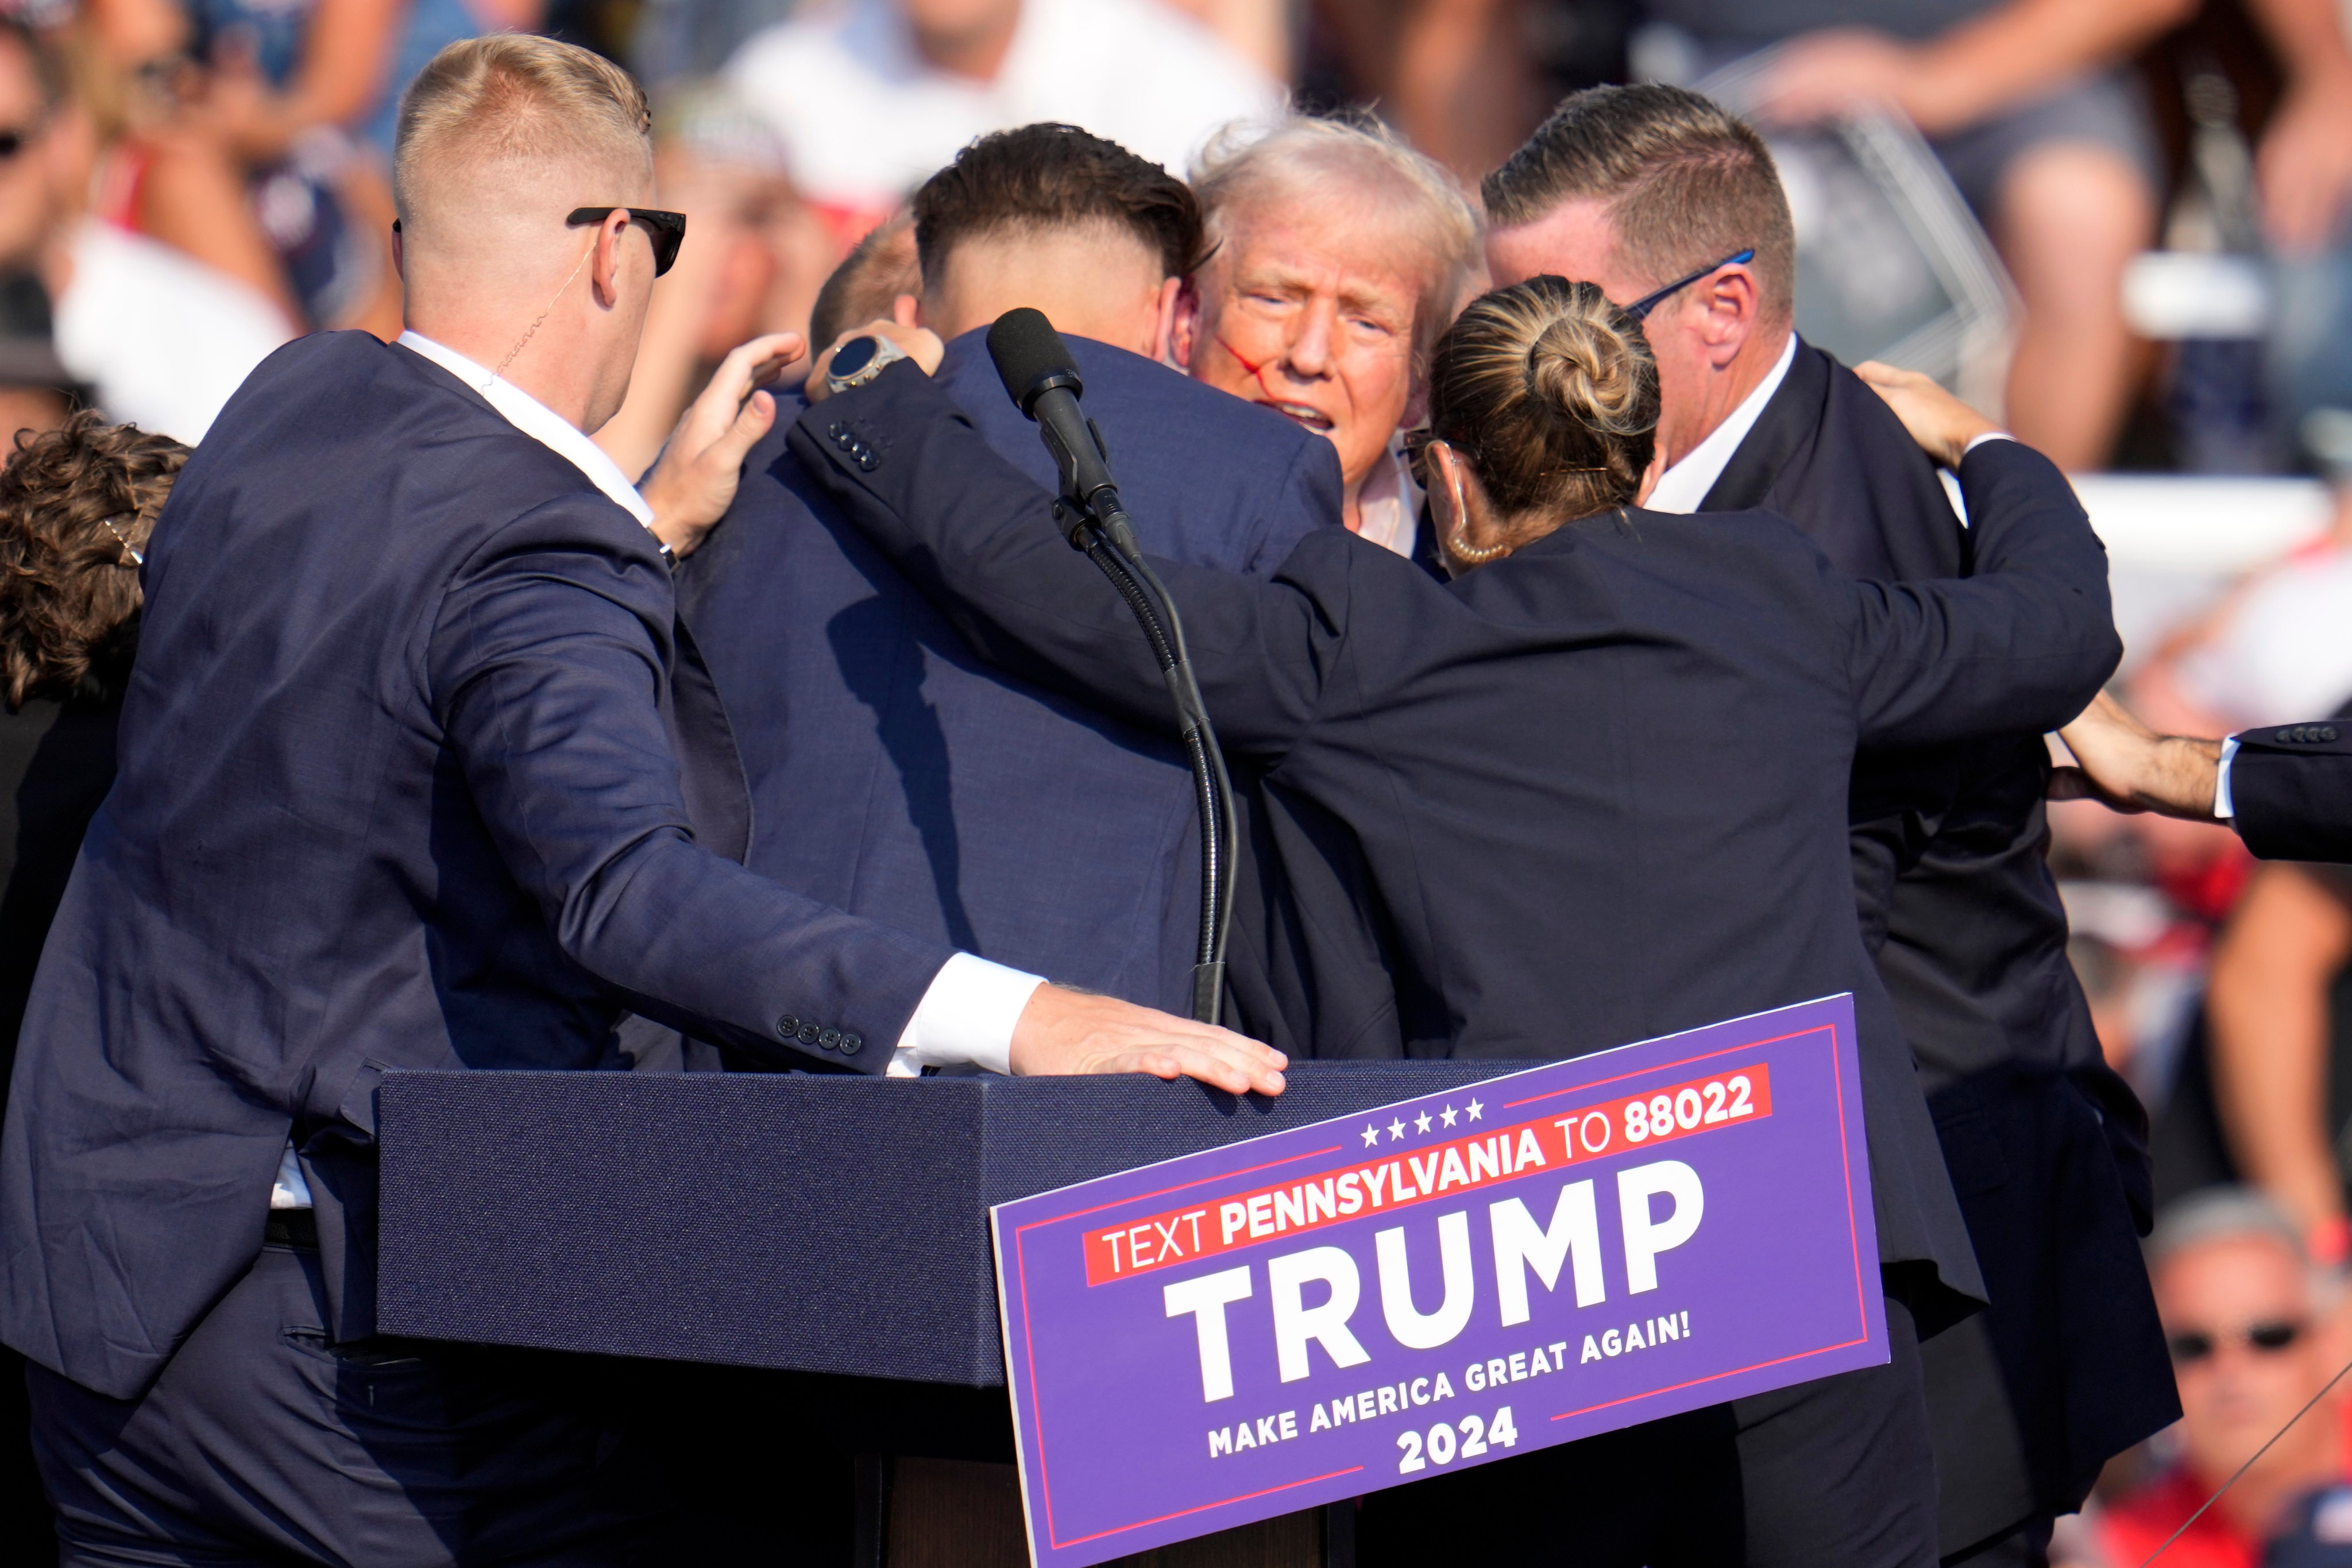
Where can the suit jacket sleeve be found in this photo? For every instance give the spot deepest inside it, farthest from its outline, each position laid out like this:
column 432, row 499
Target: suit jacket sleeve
column 2292, row 791
column 2023, row 646
column 546, row 668
column 977, row 536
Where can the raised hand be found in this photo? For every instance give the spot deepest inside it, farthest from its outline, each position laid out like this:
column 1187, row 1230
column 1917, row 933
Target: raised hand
column 692, row 483
column 1940, row 423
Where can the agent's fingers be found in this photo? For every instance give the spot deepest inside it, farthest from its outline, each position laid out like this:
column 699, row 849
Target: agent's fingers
column 759, row 413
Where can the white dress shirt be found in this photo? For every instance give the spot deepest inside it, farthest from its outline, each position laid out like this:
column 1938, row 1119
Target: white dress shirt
column 1388, row 509
column 968, row 1012
column 2223, row 806
column 1682, row 488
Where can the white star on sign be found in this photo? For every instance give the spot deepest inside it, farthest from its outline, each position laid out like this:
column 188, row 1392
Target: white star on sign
column 1396, row 1130
column 1447, row 1115
column 1422, row 1121
column 1371, row 1135
column 1474, row 1109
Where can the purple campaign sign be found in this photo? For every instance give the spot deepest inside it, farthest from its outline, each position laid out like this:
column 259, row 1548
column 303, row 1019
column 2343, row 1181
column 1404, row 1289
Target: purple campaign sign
column 1319, row 1314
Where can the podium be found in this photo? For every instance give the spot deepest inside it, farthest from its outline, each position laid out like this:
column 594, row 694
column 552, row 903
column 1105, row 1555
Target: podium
column 827, row 1234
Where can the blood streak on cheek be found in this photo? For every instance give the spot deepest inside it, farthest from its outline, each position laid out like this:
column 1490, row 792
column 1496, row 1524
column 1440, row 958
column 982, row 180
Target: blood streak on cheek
column 1257, row 369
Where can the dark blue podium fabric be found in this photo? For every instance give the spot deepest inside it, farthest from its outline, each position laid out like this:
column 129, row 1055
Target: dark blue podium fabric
column 827, row 1225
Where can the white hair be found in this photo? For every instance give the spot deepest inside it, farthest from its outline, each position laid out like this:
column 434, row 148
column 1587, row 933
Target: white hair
column 1251, row 159
column 2223, row 1214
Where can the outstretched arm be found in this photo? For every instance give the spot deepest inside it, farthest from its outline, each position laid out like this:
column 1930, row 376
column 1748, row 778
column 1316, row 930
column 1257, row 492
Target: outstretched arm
column 2023, row 644
column 905, row 464
column 546, row 666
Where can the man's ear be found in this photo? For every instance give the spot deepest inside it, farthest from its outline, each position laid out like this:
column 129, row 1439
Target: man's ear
column 1184, row 323
column 1163, row 320
column 1727, row 312
column 604, row 271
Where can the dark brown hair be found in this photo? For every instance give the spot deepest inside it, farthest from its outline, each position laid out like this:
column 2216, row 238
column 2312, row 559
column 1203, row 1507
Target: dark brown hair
column 867, row 282
column 75, row 503
column 1686, row 183
column 1549, row 393
column 1056, row 176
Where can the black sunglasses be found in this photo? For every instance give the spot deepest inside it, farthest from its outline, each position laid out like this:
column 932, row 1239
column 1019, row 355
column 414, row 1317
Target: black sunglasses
column 2195, row 1345
column 666, row 230
column 1640, row 308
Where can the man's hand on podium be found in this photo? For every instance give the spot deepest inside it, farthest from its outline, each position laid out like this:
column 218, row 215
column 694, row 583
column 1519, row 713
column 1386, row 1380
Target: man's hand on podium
column 1063, row 1031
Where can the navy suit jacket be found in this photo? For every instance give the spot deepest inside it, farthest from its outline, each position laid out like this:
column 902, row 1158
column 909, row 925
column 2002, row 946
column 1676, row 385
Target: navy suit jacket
column 2047, row 1146
column 411, row 776
column 1600, row 785
column 2291, row 787
column 896, row 774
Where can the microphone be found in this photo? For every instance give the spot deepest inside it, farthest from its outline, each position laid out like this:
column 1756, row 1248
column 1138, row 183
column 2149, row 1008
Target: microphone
column 1042, row 380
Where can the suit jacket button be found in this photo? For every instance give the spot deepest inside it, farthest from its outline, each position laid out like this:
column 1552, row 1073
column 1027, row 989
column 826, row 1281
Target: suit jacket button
column 840, row 435
column 2325, row 733
column 868, row 462
column 788, row 1026
column 806, row 1034
column 851, row 1043
column 829, row 1039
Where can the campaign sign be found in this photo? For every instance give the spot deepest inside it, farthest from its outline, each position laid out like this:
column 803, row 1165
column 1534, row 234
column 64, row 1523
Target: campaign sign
column 1364, row 1302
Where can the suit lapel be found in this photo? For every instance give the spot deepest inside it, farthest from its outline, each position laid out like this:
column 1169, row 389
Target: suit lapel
column 1788, row 421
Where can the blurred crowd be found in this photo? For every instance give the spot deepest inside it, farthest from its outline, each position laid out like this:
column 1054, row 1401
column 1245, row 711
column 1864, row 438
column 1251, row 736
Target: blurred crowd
column 185, row 185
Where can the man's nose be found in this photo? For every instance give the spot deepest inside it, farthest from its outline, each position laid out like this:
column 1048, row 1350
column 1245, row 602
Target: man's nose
column 1308, row 353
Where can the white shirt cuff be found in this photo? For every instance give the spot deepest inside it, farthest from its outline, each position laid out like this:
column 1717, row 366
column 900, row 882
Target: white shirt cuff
column 966, row 1018
column 1980, row 440
column 2223, row 807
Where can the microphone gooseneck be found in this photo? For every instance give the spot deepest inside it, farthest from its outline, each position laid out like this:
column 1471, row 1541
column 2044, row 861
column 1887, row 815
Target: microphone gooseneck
column 1042, row 380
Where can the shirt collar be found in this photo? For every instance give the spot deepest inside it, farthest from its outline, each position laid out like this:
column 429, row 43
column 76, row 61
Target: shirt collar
column 538, row 421
column 1389, row 506
column 1683, row 487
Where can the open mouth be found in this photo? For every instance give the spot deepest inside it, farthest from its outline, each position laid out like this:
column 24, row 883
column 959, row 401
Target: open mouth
column 1315, row 419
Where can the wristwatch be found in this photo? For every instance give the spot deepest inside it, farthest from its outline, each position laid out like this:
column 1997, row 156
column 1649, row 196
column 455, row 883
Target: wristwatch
column 859, row 360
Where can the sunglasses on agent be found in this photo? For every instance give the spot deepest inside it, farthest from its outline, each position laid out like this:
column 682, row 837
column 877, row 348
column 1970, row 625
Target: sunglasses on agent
column 2192, row 1346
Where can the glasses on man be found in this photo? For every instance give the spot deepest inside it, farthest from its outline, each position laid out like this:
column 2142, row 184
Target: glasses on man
column 666, row 230
column 2192, row 1345
column 1640, row 308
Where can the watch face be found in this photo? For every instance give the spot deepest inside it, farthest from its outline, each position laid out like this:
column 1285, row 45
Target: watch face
column 854, row 356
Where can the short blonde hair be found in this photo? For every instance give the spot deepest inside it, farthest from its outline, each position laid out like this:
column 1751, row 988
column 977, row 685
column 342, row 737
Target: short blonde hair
column 510, row 98
column 1249, row 161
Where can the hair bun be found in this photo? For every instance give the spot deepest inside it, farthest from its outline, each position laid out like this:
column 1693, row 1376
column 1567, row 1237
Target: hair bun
column 1582, row 370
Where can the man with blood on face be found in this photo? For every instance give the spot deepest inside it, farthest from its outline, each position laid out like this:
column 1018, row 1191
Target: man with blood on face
column 1337, row 256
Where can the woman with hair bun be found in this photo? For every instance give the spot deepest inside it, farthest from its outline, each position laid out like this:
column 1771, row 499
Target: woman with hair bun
column 1600, row 782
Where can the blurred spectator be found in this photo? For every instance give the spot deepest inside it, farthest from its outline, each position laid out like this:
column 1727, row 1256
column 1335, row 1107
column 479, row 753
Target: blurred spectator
column 754, row 256
column 2252, row 1342
column 1258, row 30
column 75, row 508
column 870, row 96
column 2045, row 137
column 2282, row 1043
column 1337, row 256
column 37, row 391
column 2304, row 170
column 162, row 340
column 1458, row 77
